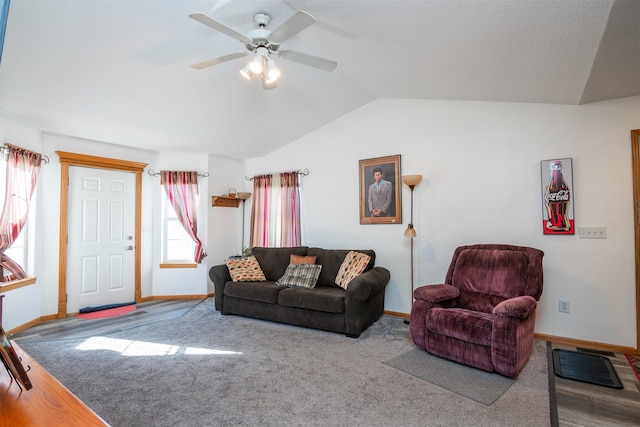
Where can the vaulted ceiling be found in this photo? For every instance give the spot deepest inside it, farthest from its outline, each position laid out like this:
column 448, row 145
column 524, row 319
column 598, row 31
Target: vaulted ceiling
column 119, row 71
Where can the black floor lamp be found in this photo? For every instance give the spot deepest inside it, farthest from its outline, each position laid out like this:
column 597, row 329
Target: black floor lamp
column 243, row 197
column 411, row 181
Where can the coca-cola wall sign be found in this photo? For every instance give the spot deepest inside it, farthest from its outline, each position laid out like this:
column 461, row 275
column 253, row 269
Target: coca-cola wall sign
column 557, row 196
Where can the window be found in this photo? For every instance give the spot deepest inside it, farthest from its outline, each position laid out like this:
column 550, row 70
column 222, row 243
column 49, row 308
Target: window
column 20, row 251
column 177, row 246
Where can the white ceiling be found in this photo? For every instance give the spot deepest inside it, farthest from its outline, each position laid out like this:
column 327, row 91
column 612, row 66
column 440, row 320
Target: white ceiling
column 119, row 71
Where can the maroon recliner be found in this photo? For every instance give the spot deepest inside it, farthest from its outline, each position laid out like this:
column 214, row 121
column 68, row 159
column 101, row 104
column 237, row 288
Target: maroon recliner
column 484, row 314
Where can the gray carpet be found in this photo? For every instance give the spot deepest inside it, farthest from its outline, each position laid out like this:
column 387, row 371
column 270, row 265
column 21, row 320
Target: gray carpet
column 205, row 369
column 481, row 386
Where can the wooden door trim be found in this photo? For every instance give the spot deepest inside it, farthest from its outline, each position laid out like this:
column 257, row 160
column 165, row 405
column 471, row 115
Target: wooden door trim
column 635, row 155
column 74, row 159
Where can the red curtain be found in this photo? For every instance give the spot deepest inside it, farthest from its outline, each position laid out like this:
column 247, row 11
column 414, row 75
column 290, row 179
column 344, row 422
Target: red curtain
column 181, row 188
column 23, row 167
column 290, row 209
column 260, row 211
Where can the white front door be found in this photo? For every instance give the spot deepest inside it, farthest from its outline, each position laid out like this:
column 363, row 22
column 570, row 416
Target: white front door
column 100, row 248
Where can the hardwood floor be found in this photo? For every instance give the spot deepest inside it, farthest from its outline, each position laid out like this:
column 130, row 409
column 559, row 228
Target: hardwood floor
column 573, row 403
column 73, row 327
column 581, row 404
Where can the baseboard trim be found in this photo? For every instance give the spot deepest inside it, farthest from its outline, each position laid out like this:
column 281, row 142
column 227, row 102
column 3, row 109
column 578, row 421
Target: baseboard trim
column 32, row 323
column 396, row 314
column 586, row 344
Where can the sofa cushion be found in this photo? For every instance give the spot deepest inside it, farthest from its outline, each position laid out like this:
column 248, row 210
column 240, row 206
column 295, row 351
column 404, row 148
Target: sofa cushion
column 331, row 260
column 245, row 270
column 321, row 298
column 300, row 275
column 297, row 259
column 254, row 291
column 352, row 266
column 465, row 325
column 274, row 261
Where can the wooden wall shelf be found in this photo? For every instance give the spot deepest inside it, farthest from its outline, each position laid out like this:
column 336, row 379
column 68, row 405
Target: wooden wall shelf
column 225, row 202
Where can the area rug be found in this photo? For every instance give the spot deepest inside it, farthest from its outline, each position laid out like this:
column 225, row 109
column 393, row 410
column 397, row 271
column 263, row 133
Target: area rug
column 111, row 312
column 634, row 361
column 481, row 386
column 587, row 368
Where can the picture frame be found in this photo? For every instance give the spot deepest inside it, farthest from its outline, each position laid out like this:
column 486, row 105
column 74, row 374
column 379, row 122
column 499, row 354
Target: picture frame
column 12, row 362
column 556, row 181
column 385, row 205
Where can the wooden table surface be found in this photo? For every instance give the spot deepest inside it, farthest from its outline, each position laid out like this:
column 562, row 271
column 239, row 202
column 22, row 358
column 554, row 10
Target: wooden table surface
column 48, row 403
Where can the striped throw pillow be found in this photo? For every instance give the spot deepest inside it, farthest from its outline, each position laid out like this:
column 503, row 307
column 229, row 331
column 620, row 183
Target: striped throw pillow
column 300, row 276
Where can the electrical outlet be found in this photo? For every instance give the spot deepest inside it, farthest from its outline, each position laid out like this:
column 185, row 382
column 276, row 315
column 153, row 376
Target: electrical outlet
column 564, row 306
column 592, row 232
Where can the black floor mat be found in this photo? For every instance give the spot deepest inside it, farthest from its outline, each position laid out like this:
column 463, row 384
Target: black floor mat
column 587, row 368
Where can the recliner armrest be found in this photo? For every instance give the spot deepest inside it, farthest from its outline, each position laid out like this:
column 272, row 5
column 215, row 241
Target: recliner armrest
column 518, row 307
column 368, row 283
column 436, row 294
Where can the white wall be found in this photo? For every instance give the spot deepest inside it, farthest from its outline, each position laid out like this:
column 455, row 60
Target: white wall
column 225, row 224
column 179, row 281
column 481, row 168
column 480, row 163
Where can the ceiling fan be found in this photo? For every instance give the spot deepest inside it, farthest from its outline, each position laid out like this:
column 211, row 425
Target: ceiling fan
column 263, row 44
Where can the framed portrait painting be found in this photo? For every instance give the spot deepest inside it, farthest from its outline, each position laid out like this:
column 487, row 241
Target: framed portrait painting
column 557, row 196
column 380, row 195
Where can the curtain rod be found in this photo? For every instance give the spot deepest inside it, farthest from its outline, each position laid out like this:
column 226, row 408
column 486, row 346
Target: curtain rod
column 45, row 158
column 303, row 172
column 152, row 173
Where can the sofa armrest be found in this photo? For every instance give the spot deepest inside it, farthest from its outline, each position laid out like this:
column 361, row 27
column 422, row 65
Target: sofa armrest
column 518, row 307
column 436, row 294
column 368, row 283
column 219, row 275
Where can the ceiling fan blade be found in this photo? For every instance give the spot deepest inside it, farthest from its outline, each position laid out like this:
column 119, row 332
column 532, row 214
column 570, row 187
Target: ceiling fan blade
column 216, row 61
column 310, row 60
column 219, row 26
column 296, row 23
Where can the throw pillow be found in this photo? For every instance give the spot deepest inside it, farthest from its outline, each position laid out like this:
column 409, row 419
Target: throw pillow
column 298, row 259
column 245, row 270
column 352, row 266
column 300, row 275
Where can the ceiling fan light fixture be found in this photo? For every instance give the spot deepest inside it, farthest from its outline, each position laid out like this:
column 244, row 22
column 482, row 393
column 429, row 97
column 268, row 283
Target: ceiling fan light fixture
column 246, row 72
column 272, row 71
column 256, row 64
column 268, row 83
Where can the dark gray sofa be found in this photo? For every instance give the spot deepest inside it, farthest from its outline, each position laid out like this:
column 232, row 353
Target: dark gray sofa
column 326, row 306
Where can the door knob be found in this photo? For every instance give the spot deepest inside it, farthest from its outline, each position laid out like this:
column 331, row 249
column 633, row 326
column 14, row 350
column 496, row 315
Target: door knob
column 130, row 248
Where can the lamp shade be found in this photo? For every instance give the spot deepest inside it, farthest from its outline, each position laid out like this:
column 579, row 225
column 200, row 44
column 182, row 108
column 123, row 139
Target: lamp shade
column 410, row 231
column 411, row 180
column 243, row 196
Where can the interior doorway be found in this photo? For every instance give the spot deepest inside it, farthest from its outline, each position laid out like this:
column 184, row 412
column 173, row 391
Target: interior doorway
column 100, row 246
column 635, row 154
column 81, row 160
